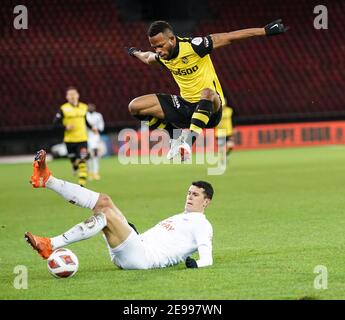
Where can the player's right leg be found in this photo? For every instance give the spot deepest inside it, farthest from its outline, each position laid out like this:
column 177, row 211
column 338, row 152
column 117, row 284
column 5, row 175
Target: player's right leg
column 106, row 216
column 73, row 193
column 95, row 164
column 147, row 105
column 71, row 153
column 148, row 108
column 117, row 229
column 83, row 155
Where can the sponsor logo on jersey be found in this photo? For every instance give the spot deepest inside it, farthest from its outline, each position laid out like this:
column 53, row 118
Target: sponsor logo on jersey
column 185, row 72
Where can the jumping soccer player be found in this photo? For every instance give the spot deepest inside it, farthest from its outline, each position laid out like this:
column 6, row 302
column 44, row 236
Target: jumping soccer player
column 168, row 243
column 188, row 59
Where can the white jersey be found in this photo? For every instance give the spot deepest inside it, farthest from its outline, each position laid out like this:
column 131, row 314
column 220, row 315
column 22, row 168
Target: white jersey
column 95, row 119
column 174, row 239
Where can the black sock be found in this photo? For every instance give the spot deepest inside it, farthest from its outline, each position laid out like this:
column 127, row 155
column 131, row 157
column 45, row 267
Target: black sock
column 199, row 120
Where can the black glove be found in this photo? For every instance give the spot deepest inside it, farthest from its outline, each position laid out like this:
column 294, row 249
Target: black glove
column 191, row 263
column 132, row 50
column 275, row 27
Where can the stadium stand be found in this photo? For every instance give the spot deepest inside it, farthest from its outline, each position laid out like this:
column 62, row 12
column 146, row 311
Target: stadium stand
column 299, row 76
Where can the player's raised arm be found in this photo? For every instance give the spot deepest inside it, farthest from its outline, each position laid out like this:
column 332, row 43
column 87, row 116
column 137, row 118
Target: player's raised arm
column 147, row 57
column 222, row 39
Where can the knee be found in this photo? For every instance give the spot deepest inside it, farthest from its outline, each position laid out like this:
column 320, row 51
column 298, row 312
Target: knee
column 104, row 202
column 133, row 107
column 107, row 213
column 207, row 94
column 111, row 216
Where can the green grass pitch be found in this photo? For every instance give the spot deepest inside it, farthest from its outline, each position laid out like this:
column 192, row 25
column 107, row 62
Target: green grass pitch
column 276, row 215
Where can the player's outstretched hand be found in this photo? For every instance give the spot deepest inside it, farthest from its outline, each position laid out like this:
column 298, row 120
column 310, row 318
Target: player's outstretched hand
column 275, row 27
column 132, row 50
column 191, row 263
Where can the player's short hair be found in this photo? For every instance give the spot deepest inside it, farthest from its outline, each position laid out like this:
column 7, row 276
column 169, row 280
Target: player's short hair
column 158, row 27
column 208, row 189
column 71, row 88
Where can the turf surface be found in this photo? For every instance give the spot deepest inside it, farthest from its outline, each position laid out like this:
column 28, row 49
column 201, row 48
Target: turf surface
column 276, row 215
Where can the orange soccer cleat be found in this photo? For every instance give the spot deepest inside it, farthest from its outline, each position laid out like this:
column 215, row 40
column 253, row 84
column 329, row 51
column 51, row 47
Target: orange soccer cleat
column 41, row 172
column 42, row 245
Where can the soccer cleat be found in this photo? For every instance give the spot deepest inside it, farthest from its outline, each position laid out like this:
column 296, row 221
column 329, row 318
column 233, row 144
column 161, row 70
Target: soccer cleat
column 96, row 176
column 173, row 152
column 42, row 245
column 185, row 152
column 179, row 146
column 41, row 172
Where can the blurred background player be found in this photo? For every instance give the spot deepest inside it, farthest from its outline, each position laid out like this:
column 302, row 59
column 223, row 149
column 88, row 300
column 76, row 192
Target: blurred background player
column 95, row 120
column 189, row 61
column 224, row 132
column 72, row 115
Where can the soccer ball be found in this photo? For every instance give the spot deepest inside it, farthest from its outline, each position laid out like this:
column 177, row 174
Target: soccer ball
column 62, row 263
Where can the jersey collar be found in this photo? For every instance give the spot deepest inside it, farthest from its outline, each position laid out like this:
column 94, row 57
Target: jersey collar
column 194, row 213
column 176, row 50
column 72, row 105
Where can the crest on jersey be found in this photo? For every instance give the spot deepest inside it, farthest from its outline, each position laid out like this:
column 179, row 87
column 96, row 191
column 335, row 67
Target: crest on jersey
column 185, row 60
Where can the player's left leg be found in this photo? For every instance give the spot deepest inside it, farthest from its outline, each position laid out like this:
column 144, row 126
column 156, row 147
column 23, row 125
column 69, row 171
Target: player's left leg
column 230, row 143
column 83, row 155
column 221, row 141
column 107, row 218
column 95, row 165
column 106, row 215
column 145, row 106
column 82, row 231
column 209, row 104
column 72, row 155
column 148, row 108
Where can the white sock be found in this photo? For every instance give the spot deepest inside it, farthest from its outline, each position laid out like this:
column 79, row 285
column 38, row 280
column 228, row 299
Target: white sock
column 73, row 193
column 95, row 165
column 81, row 231
column 90, row 165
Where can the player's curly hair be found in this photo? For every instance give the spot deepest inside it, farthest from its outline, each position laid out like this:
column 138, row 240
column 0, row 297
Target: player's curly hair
column 208, row 189
column 157, row 27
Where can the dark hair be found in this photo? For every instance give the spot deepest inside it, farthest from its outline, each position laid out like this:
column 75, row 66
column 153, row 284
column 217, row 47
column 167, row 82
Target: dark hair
column 157, row 27
column 71, row 88
column 208, row 189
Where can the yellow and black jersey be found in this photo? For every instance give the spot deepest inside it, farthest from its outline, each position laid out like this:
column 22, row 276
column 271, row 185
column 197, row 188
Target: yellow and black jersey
column 225, row 123
column 76, row 116
column 192, row 67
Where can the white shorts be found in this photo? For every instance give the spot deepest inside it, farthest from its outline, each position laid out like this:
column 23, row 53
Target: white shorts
column 94, row 142
column 131, row 254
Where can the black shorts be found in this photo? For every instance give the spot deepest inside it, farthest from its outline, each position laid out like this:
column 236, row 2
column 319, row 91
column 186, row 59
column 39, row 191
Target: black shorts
column 179, row 111
column 73, row 148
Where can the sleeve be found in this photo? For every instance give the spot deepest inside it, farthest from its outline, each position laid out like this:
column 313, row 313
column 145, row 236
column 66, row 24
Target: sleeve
column 202, row 45
column 233, row 117
column 57, row 122
column 158, row 59
column 100, row 123
column 204, row 242
column 88, row 124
